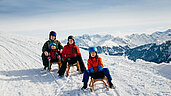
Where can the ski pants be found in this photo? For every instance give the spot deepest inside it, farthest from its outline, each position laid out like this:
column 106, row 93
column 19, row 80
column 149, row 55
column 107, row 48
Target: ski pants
column 46, row 62
column 72, row 61
column 104, row 72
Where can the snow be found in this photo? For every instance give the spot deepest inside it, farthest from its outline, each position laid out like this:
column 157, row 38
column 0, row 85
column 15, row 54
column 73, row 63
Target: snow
column 21, row 64
column 109, row 43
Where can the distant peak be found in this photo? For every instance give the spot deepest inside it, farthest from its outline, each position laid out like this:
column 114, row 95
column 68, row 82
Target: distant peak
column 169, row 30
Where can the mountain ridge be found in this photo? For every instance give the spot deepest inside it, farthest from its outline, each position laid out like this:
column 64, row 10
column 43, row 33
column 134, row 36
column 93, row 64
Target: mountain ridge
column 117, row 46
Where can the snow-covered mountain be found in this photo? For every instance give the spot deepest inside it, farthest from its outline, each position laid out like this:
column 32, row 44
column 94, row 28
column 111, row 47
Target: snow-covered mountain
column 156, row 37
column 131, row 41
column 97, row 40
column 151, row 52
column 117, row 46
column 21, row 63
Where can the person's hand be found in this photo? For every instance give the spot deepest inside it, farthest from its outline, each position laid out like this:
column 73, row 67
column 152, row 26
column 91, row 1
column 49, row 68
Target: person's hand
column 100, row 68
column 91, row 70
column 59, row 57
column 46, row 53
column 49, row 58
column 61, row 50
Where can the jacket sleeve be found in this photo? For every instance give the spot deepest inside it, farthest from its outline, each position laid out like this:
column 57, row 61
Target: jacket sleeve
column 45, row 47
column 78, row 50
column 89, row 63
column 60, row 45
column 64, row 53
column 100, row 62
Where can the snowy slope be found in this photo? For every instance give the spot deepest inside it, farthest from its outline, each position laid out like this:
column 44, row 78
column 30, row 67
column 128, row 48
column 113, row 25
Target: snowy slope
column 21, row 64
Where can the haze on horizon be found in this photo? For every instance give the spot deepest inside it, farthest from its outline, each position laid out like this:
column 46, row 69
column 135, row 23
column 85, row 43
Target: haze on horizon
column 76, row 17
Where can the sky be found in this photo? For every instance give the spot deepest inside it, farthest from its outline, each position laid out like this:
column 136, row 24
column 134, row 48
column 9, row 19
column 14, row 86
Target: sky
column 78, row 17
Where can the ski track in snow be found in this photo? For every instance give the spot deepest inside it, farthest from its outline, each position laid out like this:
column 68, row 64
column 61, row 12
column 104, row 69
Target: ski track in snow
column 21, row 64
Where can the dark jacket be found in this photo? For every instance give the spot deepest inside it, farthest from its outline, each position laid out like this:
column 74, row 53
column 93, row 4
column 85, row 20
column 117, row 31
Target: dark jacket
column 46, row 46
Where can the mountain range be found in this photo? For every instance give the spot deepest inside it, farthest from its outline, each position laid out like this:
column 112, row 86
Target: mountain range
column 127, row 45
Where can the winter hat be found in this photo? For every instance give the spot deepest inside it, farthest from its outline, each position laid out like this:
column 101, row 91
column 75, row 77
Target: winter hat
column 71, row 37
column 92, row 49
column 53, row 33
column 52, row 44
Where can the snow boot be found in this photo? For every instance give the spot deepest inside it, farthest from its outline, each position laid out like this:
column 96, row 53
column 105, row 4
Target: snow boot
column 61, row 75
column 45, row 68
column 84, row 86
column 111, row 85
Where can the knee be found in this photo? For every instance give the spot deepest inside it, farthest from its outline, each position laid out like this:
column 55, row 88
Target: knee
column 105, row 69
column 86, row 72
column 65, row 64
column 43, row 55
column 78, row 57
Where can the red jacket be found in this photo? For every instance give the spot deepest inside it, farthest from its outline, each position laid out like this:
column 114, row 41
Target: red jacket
column 70, row 51
column 53, row 54
column 95, row 62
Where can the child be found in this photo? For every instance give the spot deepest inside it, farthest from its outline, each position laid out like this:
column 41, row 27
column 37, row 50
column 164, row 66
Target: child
column 54, row 53
column 95, row 69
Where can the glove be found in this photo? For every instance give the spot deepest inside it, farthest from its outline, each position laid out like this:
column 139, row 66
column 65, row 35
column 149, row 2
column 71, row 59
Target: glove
column 91, row 70
column 68, row 59
column 100, row 68
column 49, row 58
column 59, row 57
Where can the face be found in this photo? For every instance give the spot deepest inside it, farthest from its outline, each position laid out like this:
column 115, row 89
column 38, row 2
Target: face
column 52, row 37
column 53, row 47
column 93, row 54
column 71, row 41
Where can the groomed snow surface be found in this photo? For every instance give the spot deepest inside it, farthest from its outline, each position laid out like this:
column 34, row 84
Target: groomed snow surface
column 20, row 59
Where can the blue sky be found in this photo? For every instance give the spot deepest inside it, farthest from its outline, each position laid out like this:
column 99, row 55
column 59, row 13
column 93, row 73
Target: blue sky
column 77, row 17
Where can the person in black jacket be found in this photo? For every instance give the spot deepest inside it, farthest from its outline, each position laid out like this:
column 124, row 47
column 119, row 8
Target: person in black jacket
column 46, row 48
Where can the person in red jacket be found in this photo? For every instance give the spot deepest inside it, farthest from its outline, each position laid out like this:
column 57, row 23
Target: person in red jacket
column 95, row 69
column 54, row 54
column 71, row 54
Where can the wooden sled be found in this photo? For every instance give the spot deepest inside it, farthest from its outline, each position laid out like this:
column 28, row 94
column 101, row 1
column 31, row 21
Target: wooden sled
column 71, row 65
column 50, row 64
column 93, row 81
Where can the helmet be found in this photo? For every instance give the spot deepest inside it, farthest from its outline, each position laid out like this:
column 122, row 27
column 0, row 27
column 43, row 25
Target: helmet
column 71, row 37
column 52, row 33
column 92, row 49
column 52, row 44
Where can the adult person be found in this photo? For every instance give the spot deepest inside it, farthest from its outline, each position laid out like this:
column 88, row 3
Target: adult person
column 71, row 54
column 46, row 48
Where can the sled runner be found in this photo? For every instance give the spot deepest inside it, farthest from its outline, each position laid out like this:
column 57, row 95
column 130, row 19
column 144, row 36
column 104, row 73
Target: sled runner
column 54, row 62
column 71, row 65
column 93, row 81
